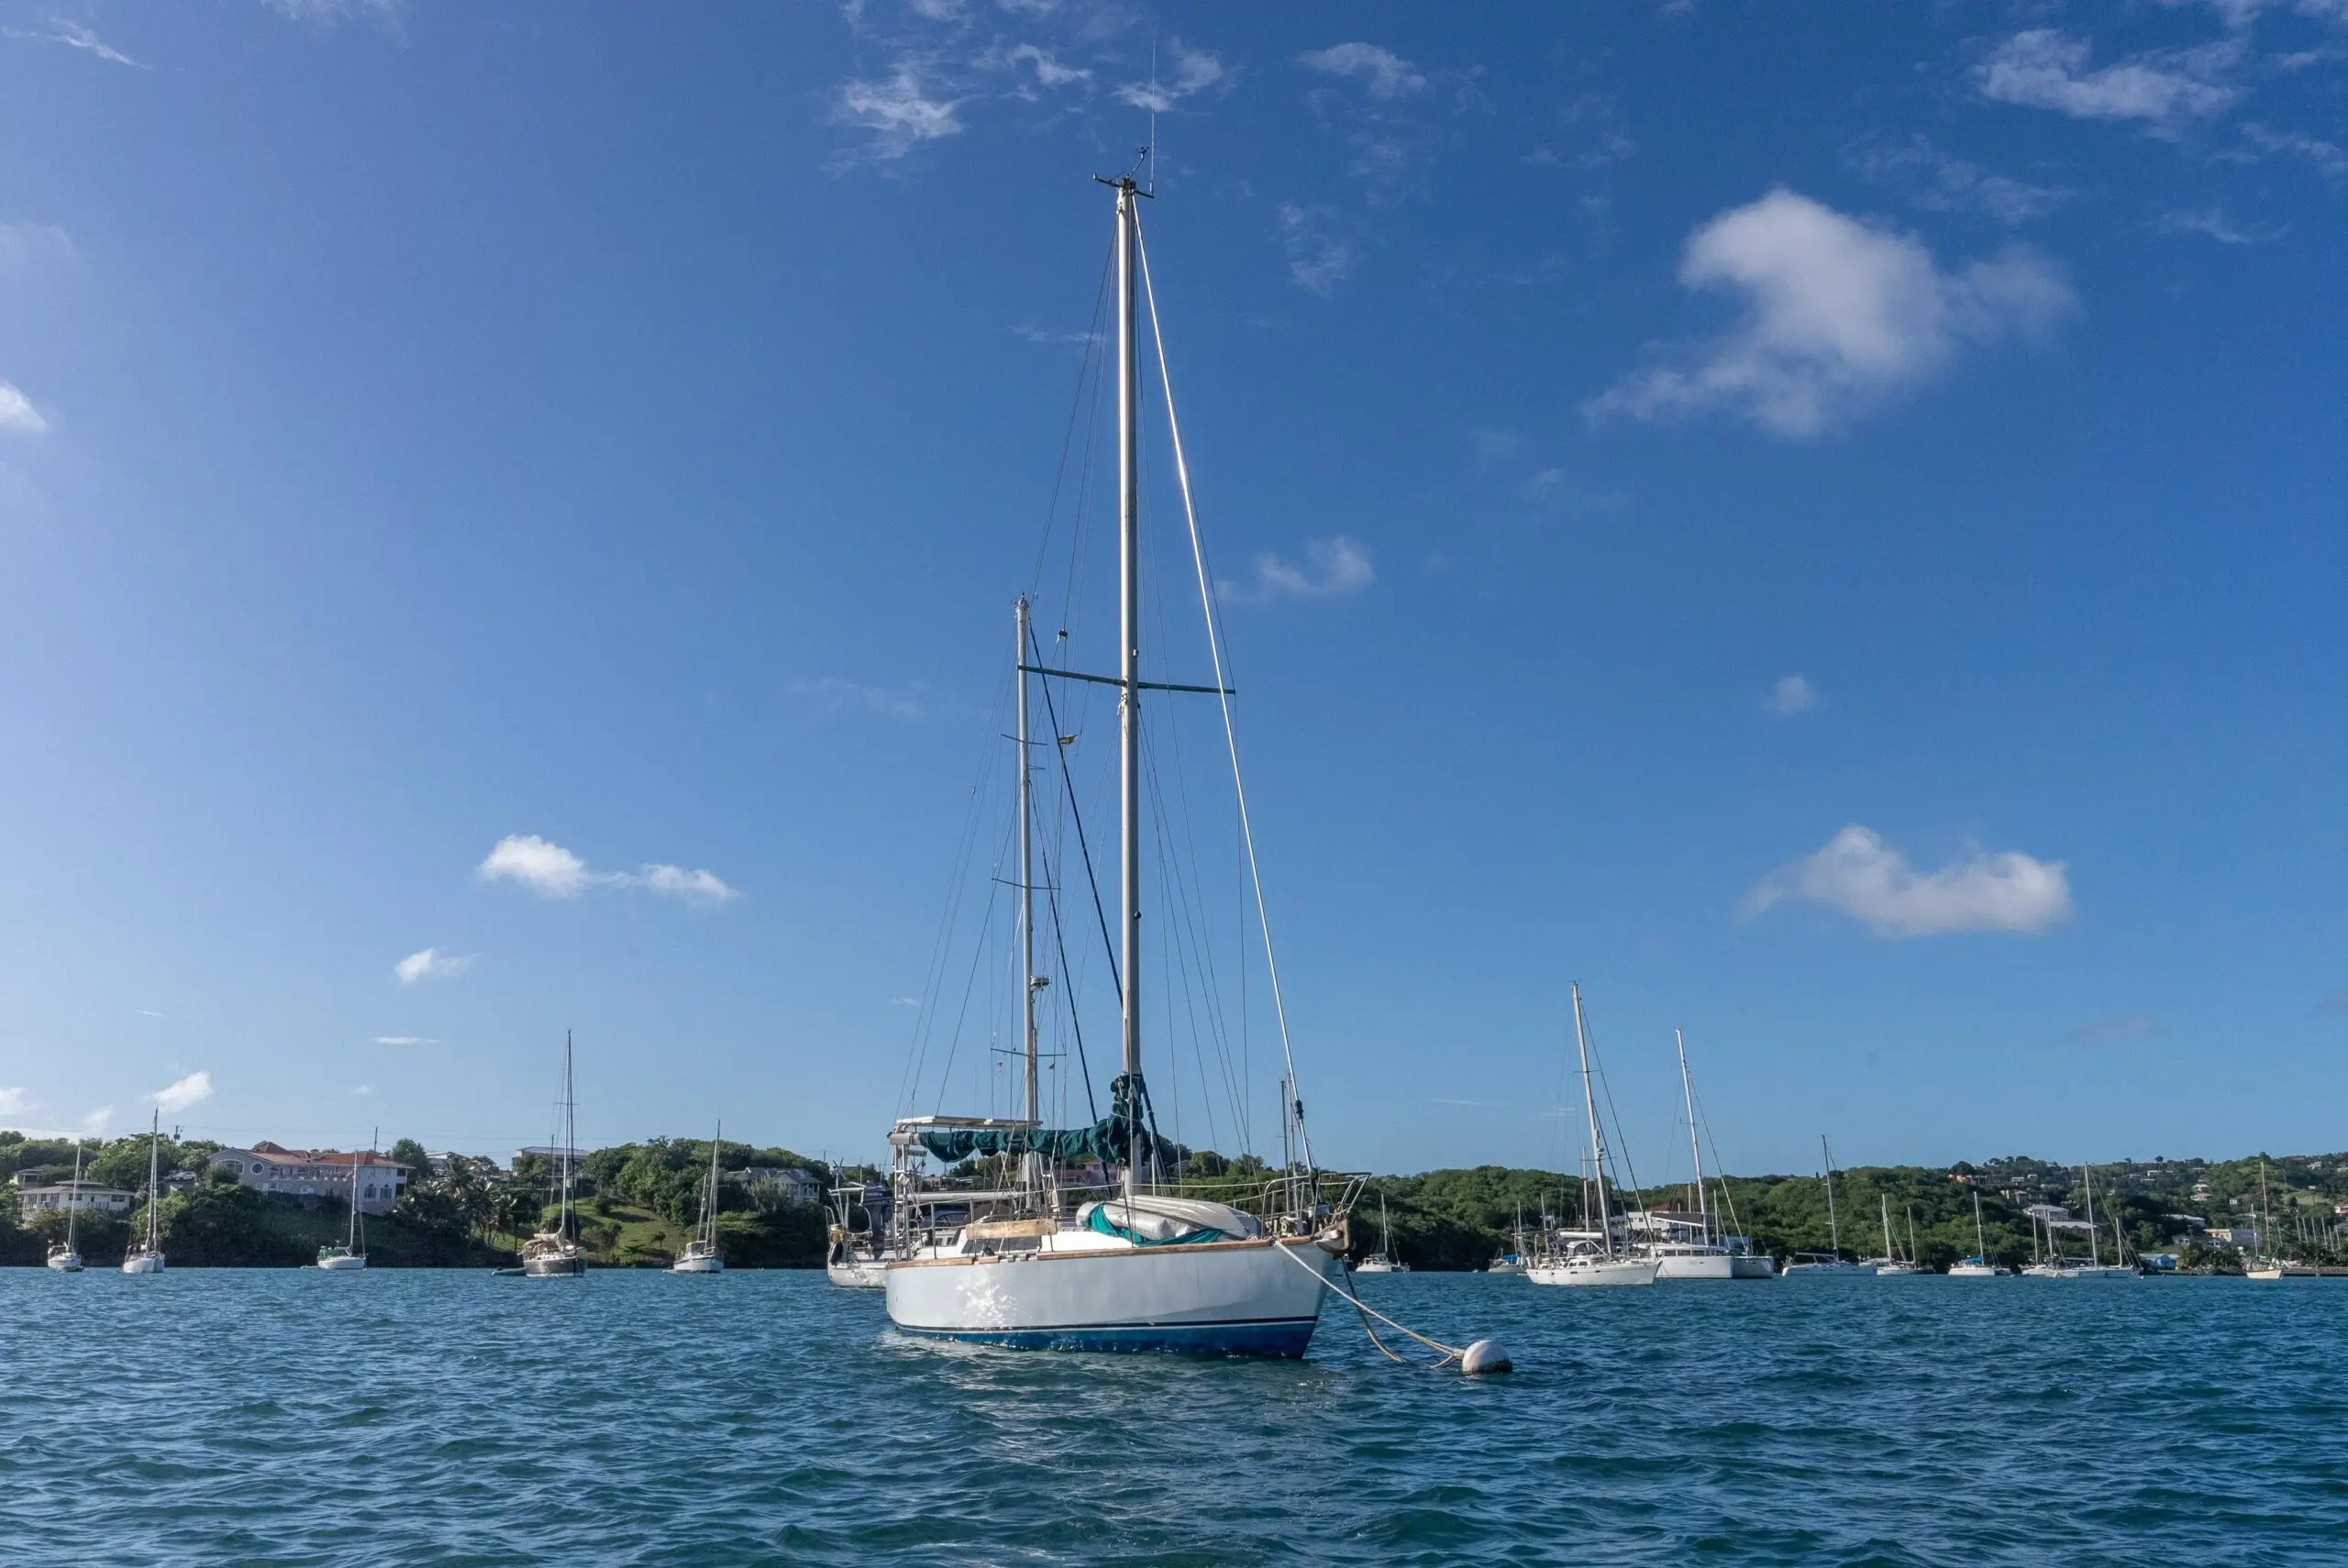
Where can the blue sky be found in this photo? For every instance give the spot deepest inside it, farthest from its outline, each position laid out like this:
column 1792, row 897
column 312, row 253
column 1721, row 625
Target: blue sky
column 1821, row 523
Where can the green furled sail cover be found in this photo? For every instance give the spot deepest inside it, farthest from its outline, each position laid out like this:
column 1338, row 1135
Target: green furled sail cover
column 1128, row 1132
column 1099, row 1221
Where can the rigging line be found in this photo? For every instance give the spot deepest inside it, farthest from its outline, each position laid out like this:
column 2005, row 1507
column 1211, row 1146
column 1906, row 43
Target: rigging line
column 1222, row 683
column 977, row 956
column 1719, row 1171
column 1067, row 1007
column 1186, row 903
column 1076, row 404
column 1622, row 1142
column 1193, row 911
column 1172, row 894
column 949, row 921
column 1076, row 815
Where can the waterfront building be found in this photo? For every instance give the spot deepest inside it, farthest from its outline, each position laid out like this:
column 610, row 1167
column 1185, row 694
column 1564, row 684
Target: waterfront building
column 788, row 1182
column 318, row 1173
column 81, row 1197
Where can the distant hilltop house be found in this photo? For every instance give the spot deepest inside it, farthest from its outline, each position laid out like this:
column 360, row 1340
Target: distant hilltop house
column 2233, row 1235
column 788, row 1182
column 316, row 1173
column 86, row 1197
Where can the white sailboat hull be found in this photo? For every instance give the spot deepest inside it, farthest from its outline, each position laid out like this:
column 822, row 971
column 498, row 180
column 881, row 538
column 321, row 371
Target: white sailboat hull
column 1862, row 1268
column 709, row 1264
column 351, row 1260
column 143, row 1263
column 1594, row 1271
column 858, row 1274
column 1972, row 1271
column 1252, row 1297
column 1716, row 1265
column 1380, row 1265
column 65, row 1262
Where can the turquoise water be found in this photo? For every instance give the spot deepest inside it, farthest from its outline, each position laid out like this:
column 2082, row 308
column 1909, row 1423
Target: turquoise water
column 415, row 1418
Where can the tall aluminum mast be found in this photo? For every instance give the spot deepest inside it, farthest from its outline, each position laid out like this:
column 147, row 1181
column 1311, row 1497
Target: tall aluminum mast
column 1129, row 636
column 1597, row 1143
column 1027, row 881
column 1687, row 1095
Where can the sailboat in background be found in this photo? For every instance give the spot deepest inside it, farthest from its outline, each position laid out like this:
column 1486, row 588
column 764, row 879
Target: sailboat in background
column 2266, row 1266
column 556, row 1253
column 148, row 1256
column 65, row 1257
column 1382, row 1261
column 2057, row 1265
column 1584, row 1260
column 340, row 1255
column 1978, row 1265
column 700, row 1255
column 1892, row 1262
column 1828, row 1262
column 1702, row 1255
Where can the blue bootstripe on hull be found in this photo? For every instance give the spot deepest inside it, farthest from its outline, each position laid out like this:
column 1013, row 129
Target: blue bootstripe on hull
column 1265, row 1337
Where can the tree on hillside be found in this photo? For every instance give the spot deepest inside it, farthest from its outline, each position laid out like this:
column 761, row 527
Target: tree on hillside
column 409, row 1152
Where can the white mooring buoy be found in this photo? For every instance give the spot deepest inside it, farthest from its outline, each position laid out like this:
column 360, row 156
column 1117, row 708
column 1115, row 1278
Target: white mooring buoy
column 1484, row 1356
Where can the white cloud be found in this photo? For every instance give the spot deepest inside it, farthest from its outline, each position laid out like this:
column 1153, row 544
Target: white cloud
column 26, row 242
column 2116, row 1030
column 2326, row 156
column 96, row 1122
column 73, row 35
column 1858, row 873
column 1194, row 70
column 2211, row 223
column 364, row 1090
column 899, row 110
column 193, row 1089
column 17, row 412
column 677, row 882
column 547, row 869
column 1339, row 566
column 553, row 872
column 403, row 1039
column 1382, row 74
column 1942, row 182
column 1318, row 260
column 13, row 1102
column 326, row 13
column 1048, row 69
column 911, row 700
column 904, row 1001
column 431, row 965
column 2042, row 68
column 1791, row 695
column 1839, row 315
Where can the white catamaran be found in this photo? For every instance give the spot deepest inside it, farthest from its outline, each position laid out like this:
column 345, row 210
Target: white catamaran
column 65, row 1257
column 556, row 1253
column 700, row 1255
column 1036, row 1263
column 1593, row 1259
column 146, row 1257
column 1705, row 1253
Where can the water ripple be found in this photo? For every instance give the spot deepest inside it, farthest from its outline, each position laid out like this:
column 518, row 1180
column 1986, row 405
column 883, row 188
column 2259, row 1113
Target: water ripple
column 452, row 1419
